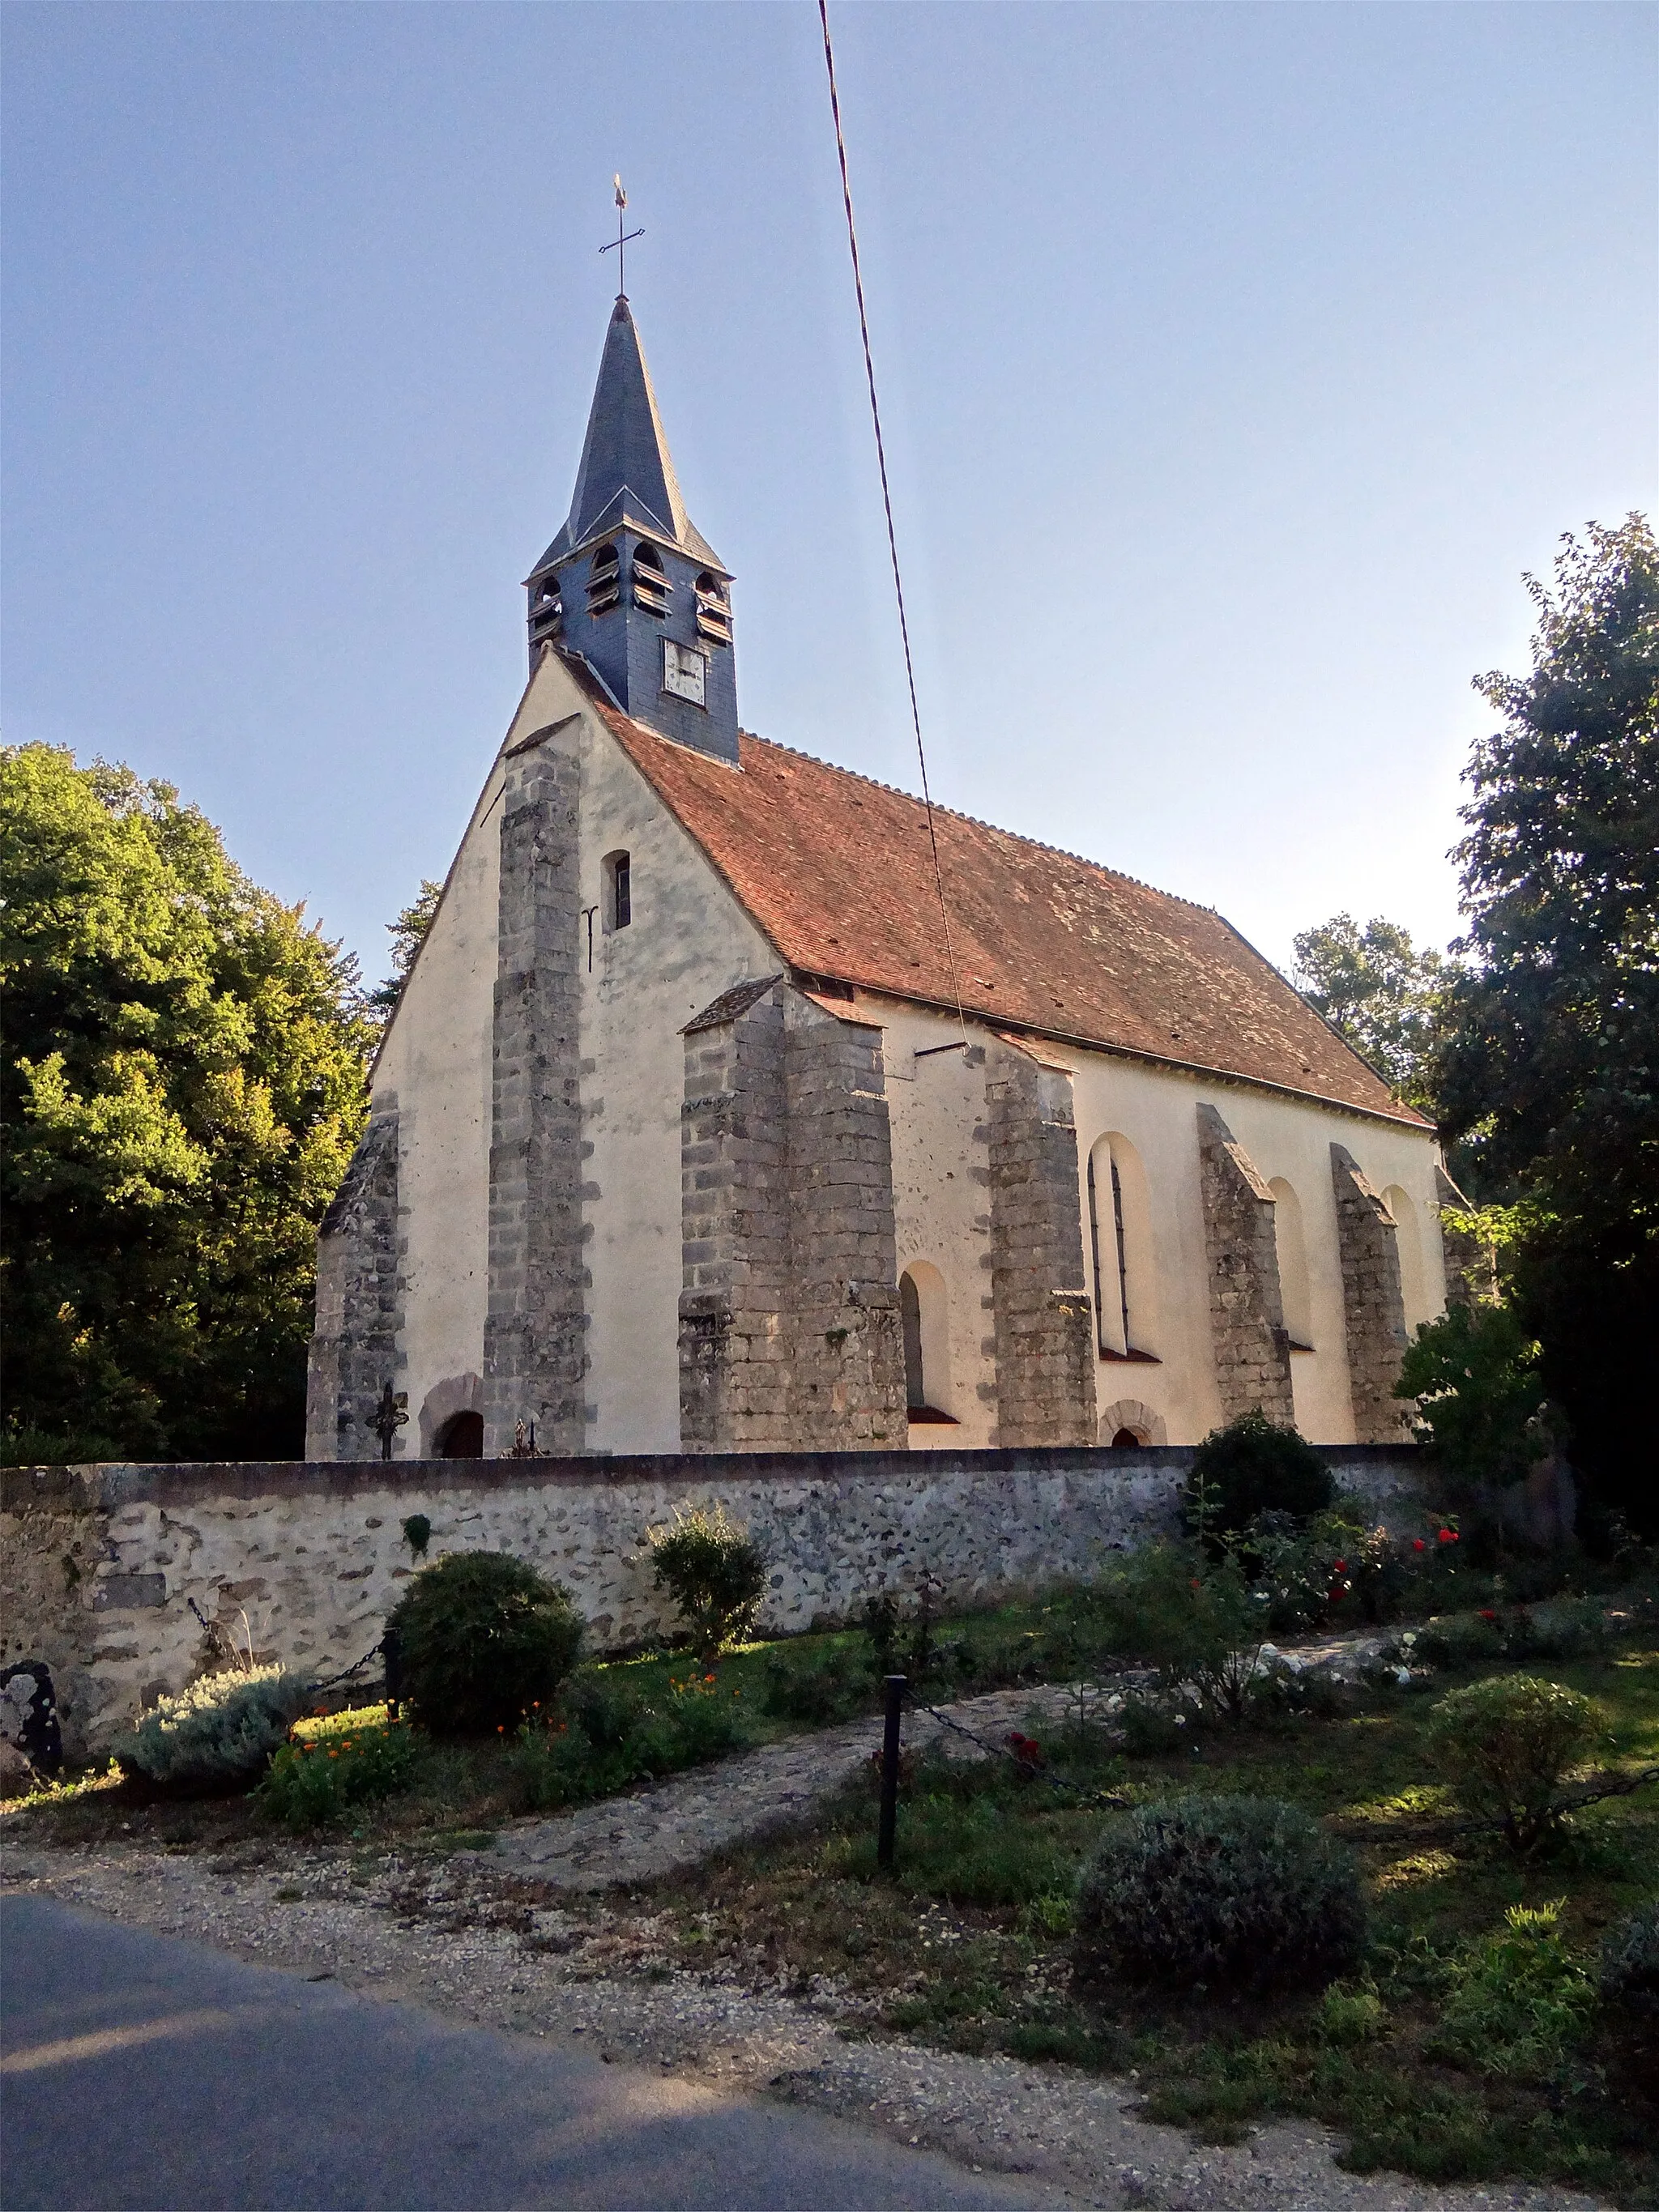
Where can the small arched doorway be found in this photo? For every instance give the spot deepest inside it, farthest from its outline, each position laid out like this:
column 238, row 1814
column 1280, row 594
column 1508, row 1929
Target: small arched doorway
column 461, row 1437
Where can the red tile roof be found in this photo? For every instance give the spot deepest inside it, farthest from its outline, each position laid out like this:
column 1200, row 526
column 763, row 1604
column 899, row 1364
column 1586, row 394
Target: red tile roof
column 838, row 871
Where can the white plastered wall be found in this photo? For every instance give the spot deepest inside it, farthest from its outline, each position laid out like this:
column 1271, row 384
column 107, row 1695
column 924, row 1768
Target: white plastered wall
column 942, row 1204
column 688, row 941
column 1291, row 1139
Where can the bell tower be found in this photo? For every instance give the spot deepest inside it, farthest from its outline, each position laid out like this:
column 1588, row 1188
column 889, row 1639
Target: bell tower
column 628, row 583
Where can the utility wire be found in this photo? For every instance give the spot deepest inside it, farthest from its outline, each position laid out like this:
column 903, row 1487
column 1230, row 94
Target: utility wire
column 887, row 502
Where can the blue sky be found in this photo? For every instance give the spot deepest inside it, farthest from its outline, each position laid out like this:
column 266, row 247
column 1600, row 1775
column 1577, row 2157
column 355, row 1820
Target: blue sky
column 1236, row 361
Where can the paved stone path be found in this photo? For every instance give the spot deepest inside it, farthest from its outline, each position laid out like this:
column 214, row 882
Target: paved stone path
column 673, row 1824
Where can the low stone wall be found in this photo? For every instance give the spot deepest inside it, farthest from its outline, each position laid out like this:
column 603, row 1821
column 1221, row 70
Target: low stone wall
column 101, row 1567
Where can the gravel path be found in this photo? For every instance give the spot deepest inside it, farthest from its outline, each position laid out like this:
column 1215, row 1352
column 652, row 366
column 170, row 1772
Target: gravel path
column 471, row 1940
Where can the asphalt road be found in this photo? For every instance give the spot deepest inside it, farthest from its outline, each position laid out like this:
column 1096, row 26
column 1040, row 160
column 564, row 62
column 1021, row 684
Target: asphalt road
column 141, row 2074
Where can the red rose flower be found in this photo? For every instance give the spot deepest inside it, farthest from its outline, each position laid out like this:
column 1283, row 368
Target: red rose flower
column 1418, row 1544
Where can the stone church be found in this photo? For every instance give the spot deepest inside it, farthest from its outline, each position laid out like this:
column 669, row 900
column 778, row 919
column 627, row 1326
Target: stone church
column 678, row 1141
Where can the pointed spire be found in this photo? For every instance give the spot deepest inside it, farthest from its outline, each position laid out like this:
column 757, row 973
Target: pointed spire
column 626, row 474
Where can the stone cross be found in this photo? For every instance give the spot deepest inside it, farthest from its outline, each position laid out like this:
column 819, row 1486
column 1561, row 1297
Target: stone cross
column 390, row 1415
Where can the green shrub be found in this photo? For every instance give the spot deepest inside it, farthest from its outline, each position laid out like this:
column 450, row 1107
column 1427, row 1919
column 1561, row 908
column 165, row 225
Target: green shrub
column 1252, row 1466
column 1347, row 2016
column 1504, row 1746
column 714, row 1571
column 1566, row 1628
column 1473, row 1377
column 607, row 1736
column 221, row 1732
column 1151, row 1729
column 1231, row 1890
column 1197, row 1620
column 482, row 1639
column 1630, row 1964
column 1455, row 1640
column 819, row 1687
column 328, row 1766
column 1518, row 2001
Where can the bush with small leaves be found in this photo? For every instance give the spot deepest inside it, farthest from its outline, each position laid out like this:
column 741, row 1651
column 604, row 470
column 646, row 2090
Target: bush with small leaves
column 818, row 1688
column 220, row 1733
column 1630, row 1964
column 1243, row 1890
column 1251, row 1467
column 1519, row 1999
column 1505, row 1745
column 482, row 1639
column 714, row 1571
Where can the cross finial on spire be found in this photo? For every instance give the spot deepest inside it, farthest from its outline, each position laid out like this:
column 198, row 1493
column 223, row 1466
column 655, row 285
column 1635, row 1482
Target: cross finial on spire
column 619, row 244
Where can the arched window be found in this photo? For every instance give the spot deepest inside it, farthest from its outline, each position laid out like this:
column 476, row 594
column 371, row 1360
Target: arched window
column 546, row 608
column 618, row 890
column 461, row 1437
column 651, row 584
column 603, row 580
column 924, row 1319
column 1120, row 1243
column 1408, row 1242
column 713, row 608
column 1294, row 1285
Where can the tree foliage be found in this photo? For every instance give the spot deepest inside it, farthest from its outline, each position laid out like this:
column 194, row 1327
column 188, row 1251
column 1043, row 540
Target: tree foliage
column 1381, row 993
column 1473, row 1375
column 1551, row 1067
column 408, row 934
column 183, row 1080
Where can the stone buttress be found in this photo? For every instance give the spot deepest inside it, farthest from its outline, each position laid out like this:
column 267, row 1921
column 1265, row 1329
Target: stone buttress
column 1373, row 1310
column 1042, row 1313
column 788, row 1332
column 534, row 1334
column 1471, row 1260
column 354, row 1352
column 1247, row 1314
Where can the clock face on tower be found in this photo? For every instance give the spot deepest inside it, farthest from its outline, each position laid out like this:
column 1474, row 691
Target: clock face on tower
column 685, row 672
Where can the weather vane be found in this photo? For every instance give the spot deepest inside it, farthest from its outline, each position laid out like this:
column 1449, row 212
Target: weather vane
column 620, row 242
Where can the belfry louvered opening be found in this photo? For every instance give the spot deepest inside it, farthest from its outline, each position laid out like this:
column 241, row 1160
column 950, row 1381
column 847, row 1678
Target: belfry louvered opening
column 651, row 585
column 603, row 580
column 713, row 608
column 546, row 610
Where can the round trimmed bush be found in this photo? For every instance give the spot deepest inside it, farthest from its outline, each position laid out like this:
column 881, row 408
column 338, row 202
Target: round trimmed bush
column 1630, row 1964
column 220, row 1733
column 1505, row 1744
column 482, row 1640
column 1251, row 1467
column 1246, row 1891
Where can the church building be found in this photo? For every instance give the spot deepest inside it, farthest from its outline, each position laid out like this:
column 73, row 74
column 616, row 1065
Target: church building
column 679, row 1140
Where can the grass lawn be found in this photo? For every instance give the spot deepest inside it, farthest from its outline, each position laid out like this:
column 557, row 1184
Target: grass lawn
column 968, row 1947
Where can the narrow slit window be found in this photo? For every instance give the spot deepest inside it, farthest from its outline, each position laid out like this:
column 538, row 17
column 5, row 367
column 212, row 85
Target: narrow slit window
column 618, row 891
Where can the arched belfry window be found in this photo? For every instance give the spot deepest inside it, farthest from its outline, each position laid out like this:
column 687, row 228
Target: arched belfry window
column 618, row 870
column 651, row 584
column 713, row 608
column 603, row 580
column 924, row 1319
column 1408, row 1242
column 546, row 609
column 1120, row 1242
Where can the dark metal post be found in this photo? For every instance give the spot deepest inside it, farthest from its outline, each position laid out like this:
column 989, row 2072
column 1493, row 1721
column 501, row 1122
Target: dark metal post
column 890, row 1774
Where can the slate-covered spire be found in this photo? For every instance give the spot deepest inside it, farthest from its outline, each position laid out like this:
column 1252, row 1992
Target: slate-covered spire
column 626, row 473
column 629, row 582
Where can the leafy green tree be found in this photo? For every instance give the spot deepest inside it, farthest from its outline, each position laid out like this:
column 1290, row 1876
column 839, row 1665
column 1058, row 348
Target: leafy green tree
column 183, row 1079
column 1381, row 993
column 1474, row 1376
column 408, row 934
column 1550, row 1068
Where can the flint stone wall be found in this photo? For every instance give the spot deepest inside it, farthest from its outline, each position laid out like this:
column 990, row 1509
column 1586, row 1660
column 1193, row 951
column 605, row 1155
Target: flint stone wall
column 98, row 1564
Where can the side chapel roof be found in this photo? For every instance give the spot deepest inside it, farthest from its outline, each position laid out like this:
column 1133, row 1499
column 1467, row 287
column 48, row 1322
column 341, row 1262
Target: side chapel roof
column 838, row 872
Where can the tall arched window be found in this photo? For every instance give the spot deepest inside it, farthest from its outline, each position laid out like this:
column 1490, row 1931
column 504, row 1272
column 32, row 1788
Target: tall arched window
column 1408, row 1242
column 1120, row 1242
column 1294, row 1288
column 925, row 1320
column 713, row 608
